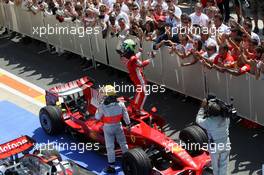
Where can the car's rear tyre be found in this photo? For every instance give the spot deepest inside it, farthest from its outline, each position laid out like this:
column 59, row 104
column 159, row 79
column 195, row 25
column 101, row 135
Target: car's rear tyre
column 50, row 120
column 136, row 162
column 195, row 138
column 49, row 151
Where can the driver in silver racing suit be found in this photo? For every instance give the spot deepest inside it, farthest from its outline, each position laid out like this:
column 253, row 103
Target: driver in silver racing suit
column 217, row 128
column 111, row 112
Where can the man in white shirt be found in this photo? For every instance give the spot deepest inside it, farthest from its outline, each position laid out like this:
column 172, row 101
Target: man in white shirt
column 123, row 29
column 198, row 17
column 221, row 28
column 171, row 17
column 120, row 14
column 211, row 52
column 207, row 40
column 123, row 7
column 108, row 3
column 177, row 10
column 160, row 2
column 247, row 28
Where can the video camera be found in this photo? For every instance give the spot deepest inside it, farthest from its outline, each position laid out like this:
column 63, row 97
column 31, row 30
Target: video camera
column 227, row 110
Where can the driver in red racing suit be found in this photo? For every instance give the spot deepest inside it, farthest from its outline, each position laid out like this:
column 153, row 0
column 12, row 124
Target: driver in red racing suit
column 135, row 69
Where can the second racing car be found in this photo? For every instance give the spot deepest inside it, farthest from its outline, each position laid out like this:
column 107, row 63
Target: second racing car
column 16, row 159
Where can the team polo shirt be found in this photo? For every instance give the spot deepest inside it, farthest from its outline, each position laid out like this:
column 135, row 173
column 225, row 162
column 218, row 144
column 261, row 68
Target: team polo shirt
column 227, row 60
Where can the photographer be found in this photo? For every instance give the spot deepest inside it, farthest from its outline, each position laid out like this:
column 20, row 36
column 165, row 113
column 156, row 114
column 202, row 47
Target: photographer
column 214, row 119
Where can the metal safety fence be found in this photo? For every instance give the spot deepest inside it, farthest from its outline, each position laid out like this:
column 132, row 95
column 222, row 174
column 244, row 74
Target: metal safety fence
column 165, row 69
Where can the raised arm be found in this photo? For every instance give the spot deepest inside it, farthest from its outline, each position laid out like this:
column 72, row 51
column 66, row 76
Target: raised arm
column 125, row 114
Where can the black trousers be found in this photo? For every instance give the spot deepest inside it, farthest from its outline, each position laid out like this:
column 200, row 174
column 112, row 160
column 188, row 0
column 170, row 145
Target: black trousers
column 224, row 8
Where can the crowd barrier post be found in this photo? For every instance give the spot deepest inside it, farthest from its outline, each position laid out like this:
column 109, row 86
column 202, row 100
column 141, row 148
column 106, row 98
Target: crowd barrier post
column 153, row 71
column 99, row 46
column 239, row 90
column 26, row 25
column 193, row 79
column 50, row 21
column 6, row 17
column 217, row 84
column 18, row 17
column 257, row 99
column 78, row 41
column 2, row 15
column 37, row 22
column 171, row 71
column 67, row 37
column 113, row 57
column 12, row 20
column 84, row 44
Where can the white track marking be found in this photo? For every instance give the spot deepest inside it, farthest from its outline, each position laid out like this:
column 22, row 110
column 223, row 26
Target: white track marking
column 31, row 85
column 19, row 94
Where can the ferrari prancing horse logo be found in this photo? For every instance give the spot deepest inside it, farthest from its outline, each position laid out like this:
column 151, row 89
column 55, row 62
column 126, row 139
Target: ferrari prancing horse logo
column 133, row 138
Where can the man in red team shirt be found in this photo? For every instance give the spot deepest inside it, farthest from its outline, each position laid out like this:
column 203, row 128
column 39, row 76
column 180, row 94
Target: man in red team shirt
column 135, row 69
column 223, row 59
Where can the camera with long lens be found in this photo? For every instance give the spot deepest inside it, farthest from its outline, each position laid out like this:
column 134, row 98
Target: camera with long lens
column 217, row 107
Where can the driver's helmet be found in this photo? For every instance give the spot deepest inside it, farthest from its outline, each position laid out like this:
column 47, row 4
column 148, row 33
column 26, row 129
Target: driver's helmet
column 129, row 47
column 108, row 90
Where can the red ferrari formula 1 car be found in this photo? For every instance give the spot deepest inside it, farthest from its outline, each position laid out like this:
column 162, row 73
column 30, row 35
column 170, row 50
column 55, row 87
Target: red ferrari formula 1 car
column 15, row 159
column 71, row 107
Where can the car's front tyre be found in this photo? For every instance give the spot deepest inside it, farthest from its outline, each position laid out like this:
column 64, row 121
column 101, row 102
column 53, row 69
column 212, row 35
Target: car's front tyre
column 194, row 137
column 136, row 162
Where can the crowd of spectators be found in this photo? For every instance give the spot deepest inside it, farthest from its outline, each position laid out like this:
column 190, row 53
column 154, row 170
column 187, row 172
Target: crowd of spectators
column 208, row 35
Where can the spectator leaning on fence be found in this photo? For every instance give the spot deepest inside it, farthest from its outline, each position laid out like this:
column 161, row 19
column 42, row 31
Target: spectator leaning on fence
column 184, row 48
column 195, row 51
column 224, row 59
column 149, row 31
column 167, row 39
column 208, row 57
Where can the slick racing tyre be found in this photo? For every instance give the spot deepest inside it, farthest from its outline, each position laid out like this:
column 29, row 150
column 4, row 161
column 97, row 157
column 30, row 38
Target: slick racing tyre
column 136, row 162
column 194, row 138
column 49, row 151
column 50, row 120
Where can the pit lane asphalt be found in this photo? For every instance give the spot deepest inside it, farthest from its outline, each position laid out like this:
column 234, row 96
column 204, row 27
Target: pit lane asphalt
column 46, row 70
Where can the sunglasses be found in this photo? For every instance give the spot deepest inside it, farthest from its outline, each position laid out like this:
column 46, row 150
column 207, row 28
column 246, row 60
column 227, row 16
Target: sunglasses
column 209, row 48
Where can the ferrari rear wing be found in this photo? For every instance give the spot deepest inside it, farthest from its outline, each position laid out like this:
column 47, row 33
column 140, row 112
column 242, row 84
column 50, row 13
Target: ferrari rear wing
column 16, row 146
column 53, row 94
column 82, row 83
